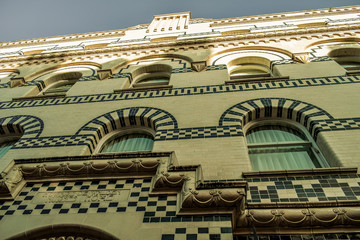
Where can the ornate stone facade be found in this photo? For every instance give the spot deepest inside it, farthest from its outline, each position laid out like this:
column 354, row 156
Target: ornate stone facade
column 197, row 88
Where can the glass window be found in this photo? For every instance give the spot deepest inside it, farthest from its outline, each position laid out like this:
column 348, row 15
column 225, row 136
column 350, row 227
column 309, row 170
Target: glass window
column 277, row 147
column 249, row 71
column 132, row 142
column 60, row 87
column 6, row 146
column 153, row 80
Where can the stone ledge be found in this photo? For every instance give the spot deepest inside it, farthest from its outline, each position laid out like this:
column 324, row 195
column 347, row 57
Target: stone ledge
column 140, row 89
column 257, row 79
column 39, row 97
column 301, row 172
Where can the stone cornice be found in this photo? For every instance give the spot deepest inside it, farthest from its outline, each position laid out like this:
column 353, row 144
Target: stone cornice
column 173, row 46
column 286, row 16
column 216, row 22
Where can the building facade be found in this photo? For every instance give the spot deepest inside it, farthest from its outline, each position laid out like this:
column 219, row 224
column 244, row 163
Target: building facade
column 241, row 128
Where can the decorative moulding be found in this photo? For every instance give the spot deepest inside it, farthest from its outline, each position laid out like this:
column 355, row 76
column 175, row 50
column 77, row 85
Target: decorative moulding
column 140, row 89
column 316, row 33
column 198, row 66
column 301, row 172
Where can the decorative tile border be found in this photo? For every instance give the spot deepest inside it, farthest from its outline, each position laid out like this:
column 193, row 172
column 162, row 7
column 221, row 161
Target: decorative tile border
column 301, row 188
column 26, row 125
column 325, row 236
column 91, row 140
column 175, row 92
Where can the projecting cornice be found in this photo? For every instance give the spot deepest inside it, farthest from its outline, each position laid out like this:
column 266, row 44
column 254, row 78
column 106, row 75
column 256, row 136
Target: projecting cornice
column 286, row 16
column 342, row 32
column 215, row 23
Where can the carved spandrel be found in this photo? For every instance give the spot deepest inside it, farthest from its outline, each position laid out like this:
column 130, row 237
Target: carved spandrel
column 82, row 196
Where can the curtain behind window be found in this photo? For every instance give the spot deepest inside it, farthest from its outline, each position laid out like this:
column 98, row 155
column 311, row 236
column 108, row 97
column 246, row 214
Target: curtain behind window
column 129, row 143
column 290, row 156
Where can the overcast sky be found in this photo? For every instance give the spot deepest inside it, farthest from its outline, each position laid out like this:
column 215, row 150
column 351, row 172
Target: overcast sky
column 25, row 19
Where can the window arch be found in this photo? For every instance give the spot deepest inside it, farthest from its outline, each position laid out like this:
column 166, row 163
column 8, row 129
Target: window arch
column 249, row 67
column 280, row 145
column 128, row 140
column 348, row 58
column 61, row 83
column 152, row 75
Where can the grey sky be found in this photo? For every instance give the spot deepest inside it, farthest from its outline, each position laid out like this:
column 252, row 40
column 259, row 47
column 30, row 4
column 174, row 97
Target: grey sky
column 25, row 19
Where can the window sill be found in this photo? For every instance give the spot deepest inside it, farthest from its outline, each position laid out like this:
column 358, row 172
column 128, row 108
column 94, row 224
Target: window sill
column 352, row 72
column 301, row 172
column 256, row 79
column 139, row 89
column 39, row 97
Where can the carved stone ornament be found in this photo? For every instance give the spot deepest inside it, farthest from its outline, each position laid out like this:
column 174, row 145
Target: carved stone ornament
column 198, row 66
column 213, row 198
column 302, row 57
column 89, row 168
column 14, row 82
column 296, row 218
column 105, row 73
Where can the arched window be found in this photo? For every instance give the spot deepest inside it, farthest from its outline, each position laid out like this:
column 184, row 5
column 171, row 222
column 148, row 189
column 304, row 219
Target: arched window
column 6, row 145
column 128, row 141
column 249, row 67
column 249, row 70
column 348, row 58
column 280, row 146
column 152, row 75
column 61, row 83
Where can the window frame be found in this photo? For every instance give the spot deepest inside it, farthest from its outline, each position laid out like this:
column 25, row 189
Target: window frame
column 289, row 124
column 120, row 132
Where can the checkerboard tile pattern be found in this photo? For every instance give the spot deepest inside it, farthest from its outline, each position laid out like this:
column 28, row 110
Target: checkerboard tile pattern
column 200, row 132
column 201, row 233
column 338, row 124
column 302, row 189
column 155, row 209
column 325, row 236
column 56, row 141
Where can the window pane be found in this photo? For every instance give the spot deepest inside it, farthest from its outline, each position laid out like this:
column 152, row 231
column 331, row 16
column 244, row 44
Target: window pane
column 281, row 158
column 6, row 146
column 274, row 134
column 129, row 143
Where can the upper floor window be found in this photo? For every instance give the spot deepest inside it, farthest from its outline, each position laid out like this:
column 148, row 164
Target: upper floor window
column 280, row 146
column 61, row 83
column 128, row 141
column 152, row 75
column 249, row 70
column 348, row 58
column 249, row 67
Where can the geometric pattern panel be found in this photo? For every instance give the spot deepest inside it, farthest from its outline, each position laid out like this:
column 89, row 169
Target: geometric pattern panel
column 301, row 112
column 175, row 92
column 199, row 132
column 337, row 124
column 55, row 141
column 313, row 188
column 26, row 125
column 107, row 196
column 325, row 236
